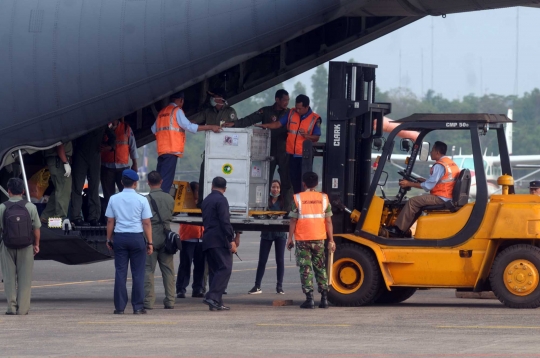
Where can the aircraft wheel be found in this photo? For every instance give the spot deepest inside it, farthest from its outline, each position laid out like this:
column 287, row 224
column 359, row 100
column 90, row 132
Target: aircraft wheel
column 397, row 295
column 515, row 276
column 356, row 277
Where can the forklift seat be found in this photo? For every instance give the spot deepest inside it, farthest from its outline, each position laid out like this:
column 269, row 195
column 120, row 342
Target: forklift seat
column 460, row 194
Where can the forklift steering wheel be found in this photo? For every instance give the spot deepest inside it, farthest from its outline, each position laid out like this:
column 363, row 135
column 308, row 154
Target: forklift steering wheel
column 408, row 177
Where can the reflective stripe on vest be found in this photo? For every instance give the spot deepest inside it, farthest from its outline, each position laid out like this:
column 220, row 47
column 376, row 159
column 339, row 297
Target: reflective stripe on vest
column 169, row 136
column 120, row 154
column 445, row 185
column 294, row 124
column 311, row 223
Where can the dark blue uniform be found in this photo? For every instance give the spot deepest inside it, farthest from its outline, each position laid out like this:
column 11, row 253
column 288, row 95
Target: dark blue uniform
column 217, row 238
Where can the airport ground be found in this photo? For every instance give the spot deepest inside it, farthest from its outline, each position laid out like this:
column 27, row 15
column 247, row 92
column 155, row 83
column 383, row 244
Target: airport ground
column 72, row 309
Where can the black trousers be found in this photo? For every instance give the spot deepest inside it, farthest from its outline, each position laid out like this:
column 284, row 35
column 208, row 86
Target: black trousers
column 295, row 169
column 84, row 168
column 110, row 179
column 281, row 160
column 220, row 263
column 264, row 251
column 191, row 252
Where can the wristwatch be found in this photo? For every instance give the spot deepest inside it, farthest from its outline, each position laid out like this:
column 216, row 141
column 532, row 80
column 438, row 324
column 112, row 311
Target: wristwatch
column 149, row 244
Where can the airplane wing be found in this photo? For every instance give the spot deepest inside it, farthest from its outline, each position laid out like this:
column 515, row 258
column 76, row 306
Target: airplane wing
column 525, row 161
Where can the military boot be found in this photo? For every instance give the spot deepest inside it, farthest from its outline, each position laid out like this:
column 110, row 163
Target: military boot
column 308, row 303
column 324, row 299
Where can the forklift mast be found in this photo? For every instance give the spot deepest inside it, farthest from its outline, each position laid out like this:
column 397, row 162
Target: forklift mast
column 354, row 120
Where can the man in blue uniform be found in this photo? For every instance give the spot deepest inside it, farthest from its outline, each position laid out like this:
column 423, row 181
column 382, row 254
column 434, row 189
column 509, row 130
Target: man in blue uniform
column 218, row 242
column 131, row 213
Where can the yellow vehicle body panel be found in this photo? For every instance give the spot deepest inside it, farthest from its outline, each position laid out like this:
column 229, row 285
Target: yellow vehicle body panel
column 441, row 224
column 507, row 217
column 373, row 218
column 184, row 202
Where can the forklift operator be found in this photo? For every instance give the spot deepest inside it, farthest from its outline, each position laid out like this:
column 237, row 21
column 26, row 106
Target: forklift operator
column 440, row 184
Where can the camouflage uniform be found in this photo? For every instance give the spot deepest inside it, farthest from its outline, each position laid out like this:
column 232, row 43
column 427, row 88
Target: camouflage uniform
column 278, row 150
column 310, row 254
column 211, row 117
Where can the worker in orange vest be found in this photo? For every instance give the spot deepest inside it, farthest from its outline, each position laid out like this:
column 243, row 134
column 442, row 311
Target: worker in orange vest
column 440, row 185
column 302, row 123
column 115, row 157
column 192, row 252
column 169, row 128
column 311, row 226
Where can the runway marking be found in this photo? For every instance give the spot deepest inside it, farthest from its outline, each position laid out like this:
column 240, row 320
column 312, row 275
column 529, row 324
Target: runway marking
column 492, row 327
column 129, row 322
column 301, row 325
column 112, row 279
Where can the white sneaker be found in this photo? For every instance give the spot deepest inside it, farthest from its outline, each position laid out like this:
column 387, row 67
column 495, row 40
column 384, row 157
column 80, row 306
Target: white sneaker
column 255, row 291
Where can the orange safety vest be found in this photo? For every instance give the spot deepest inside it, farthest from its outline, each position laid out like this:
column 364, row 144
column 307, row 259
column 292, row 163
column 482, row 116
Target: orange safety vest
column 311, row 223
column 294, row 124
column 446, row 184
column 120, row 154
column 190, row 232
column 170, row 136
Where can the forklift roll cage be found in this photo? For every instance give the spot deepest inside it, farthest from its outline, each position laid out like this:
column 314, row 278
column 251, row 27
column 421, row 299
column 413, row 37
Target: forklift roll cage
column 355, row 119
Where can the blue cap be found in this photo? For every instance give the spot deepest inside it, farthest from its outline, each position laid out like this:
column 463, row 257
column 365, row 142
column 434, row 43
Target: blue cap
column 535, row 184
column 130, row 174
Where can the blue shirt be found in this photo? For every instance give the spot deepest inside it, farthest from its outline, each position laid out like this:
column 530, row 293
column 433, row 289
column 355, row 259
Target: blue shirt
column 182, row 121
column 429, row 184
column 316, row 130
column 129, row 209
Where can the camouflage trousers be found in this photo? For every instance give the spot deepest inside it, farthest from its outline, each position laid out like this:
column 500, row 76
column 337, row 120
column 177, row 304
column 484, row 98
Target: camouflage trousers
column 310, row 257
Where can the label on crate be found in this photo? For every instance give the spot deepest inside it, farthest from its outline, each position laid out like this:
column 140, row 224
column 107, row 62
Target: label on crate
column 231, row 140
column 259, row 194
column 256, row 172
column 227, row 168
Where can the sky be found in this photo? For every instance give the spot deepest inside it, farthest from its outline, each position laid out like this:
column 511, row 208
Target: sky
column 473, row 53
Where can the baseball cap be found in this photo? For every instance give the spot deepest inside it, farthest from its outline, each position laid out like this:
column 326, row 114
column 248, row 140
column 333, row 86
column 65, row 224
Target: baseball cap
column 535, row 184
column 130, row 174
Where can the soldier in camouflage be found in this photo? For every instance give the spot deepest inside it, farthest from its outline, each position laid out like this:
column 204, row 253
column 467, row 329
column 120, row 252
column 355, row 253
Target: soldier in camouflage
column 218, row 112
column 278, row 142
column 311, row 225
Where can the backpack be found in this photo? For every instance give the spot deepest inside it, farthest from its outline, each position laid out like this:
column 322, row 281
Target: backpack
column 17, row 230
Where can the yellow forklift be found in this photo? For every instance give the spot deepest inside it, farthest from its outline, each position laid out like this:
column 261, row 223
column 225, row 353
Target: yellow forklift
column 488, row 244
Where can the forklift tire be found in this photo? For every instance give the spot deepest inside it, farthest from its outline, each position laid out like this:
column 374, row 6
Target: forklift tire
column 515, row 276
column 356, row 277
column 397, row 295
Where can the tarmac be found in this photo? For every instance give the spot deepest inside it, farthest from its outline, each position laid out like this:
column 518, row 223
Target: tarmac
column 72, row 310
